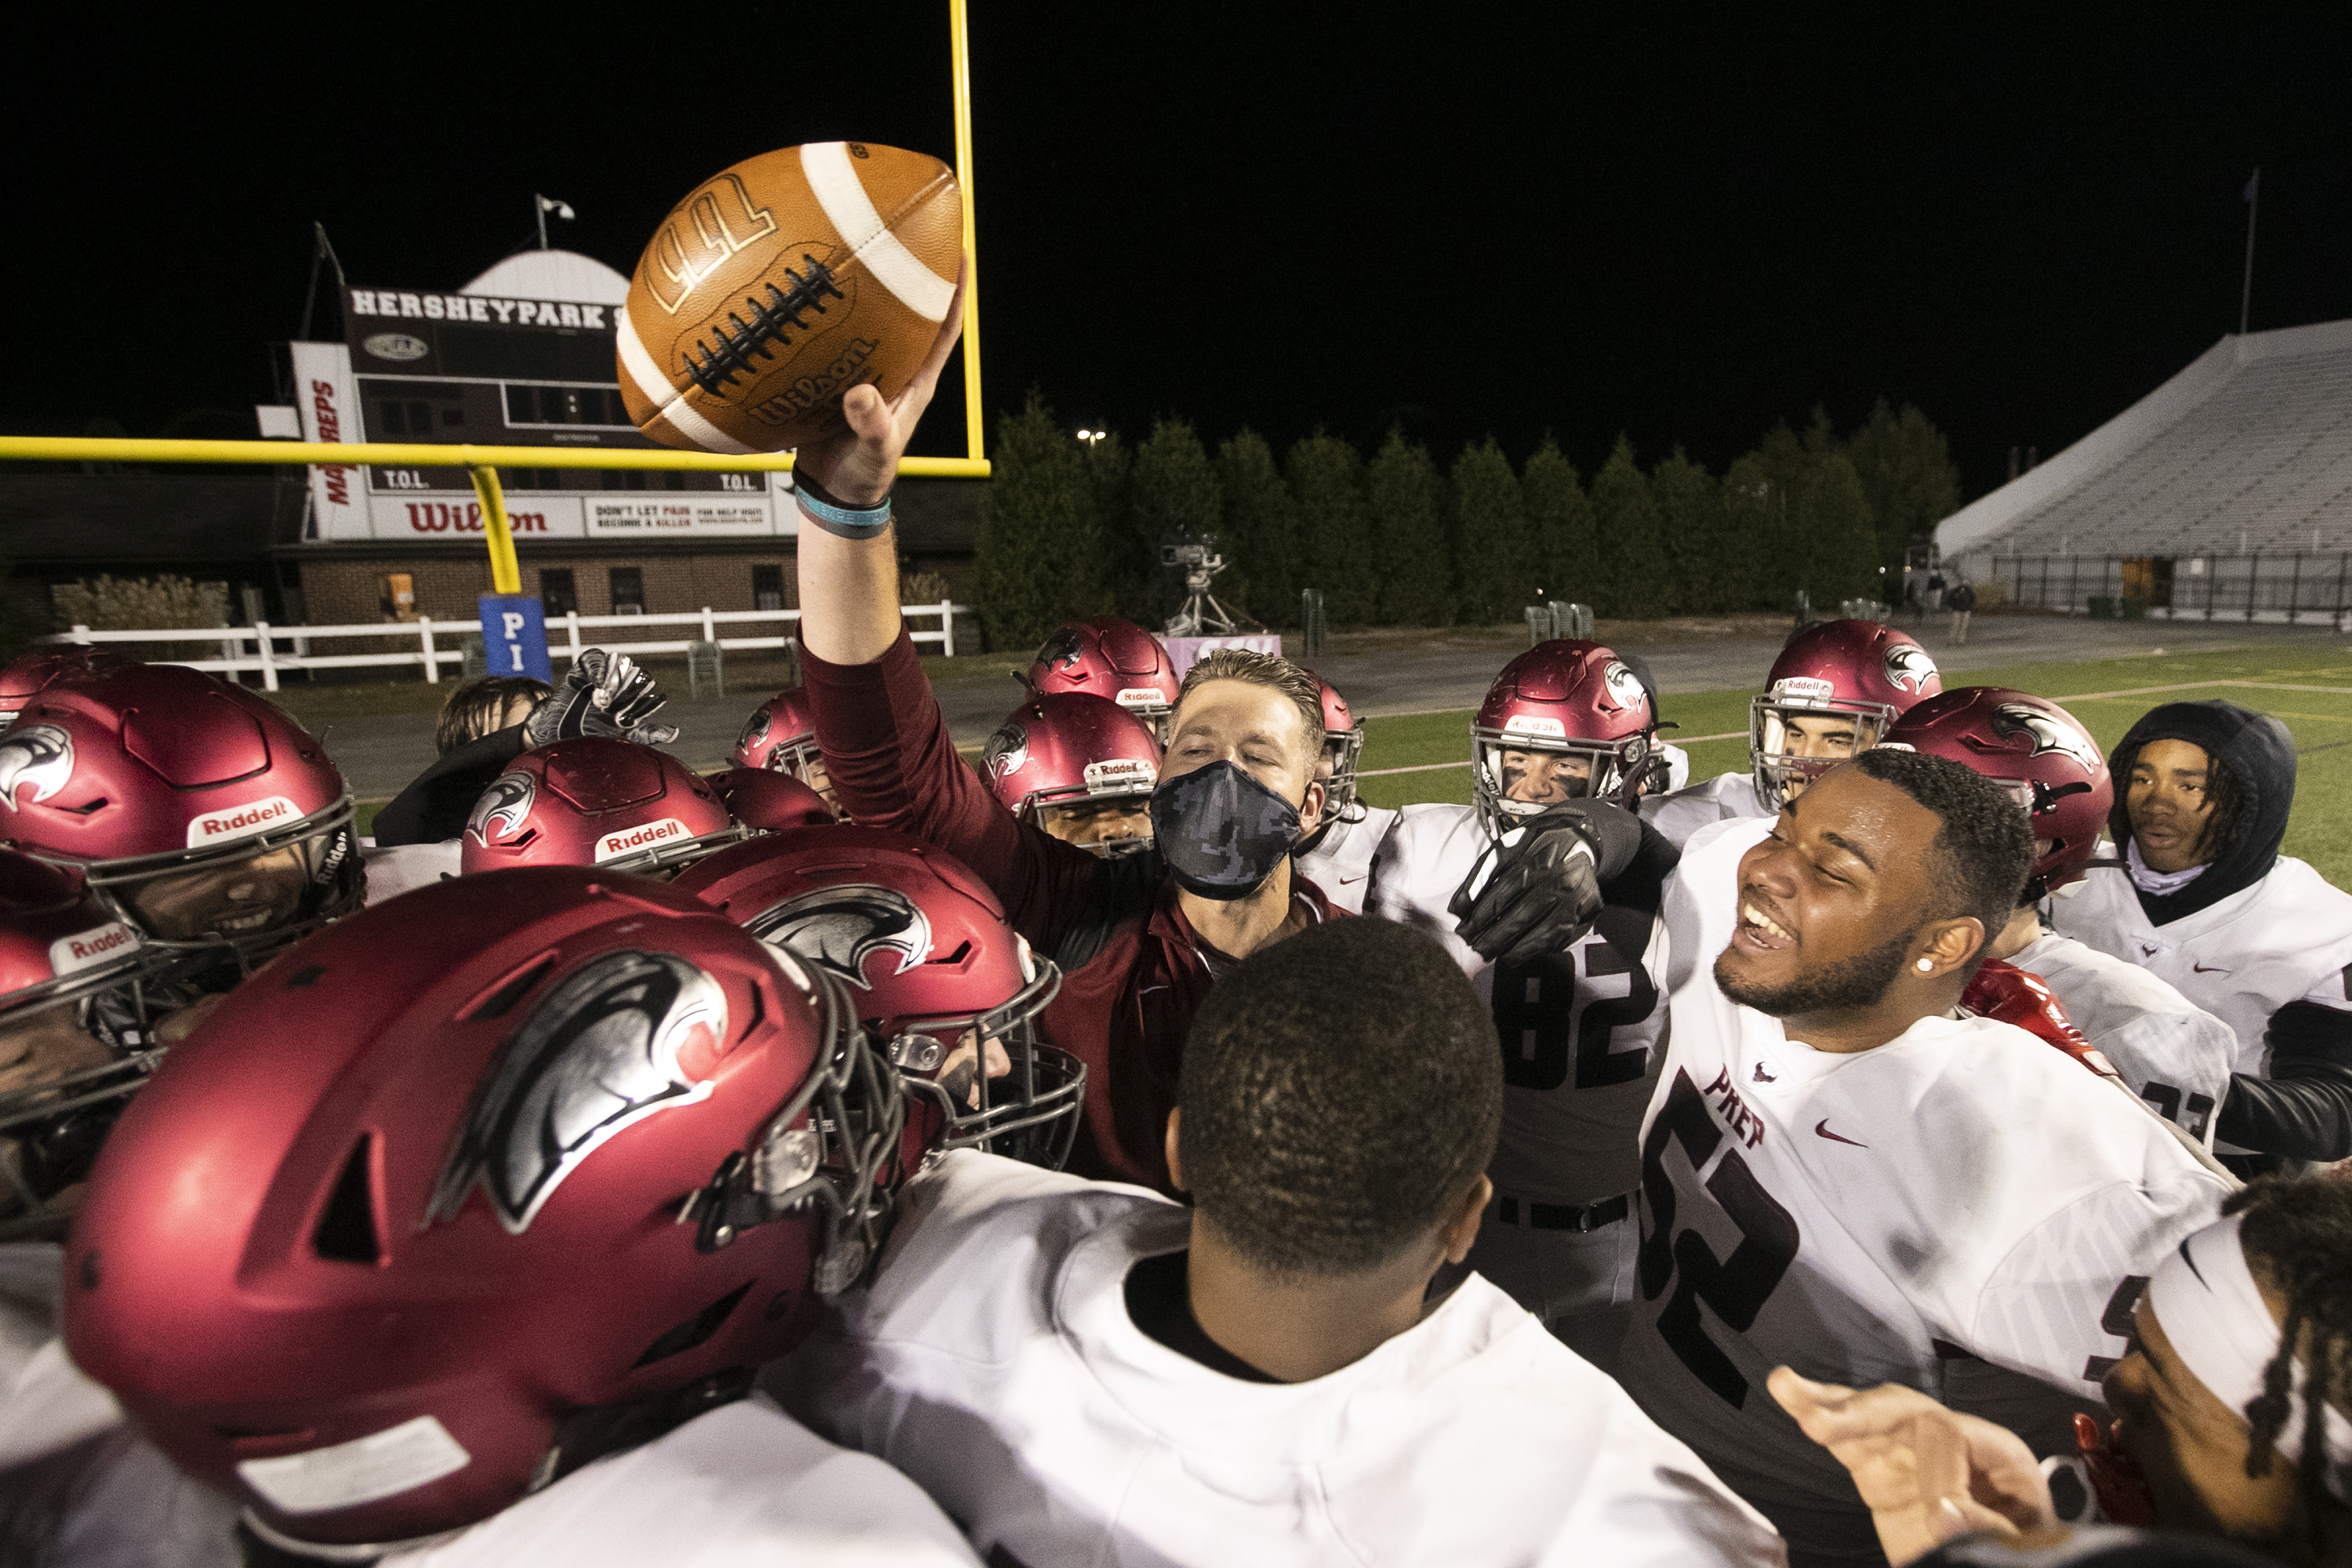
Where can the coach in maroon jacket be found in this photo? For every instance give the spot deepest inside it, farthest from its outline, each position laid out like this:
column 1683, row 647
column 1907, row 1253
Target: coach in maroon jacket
column 1140, row 940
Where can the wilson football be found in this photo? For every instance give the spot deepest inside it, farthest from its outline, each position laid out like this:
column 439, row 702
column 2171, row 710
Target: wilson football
column 780, row 284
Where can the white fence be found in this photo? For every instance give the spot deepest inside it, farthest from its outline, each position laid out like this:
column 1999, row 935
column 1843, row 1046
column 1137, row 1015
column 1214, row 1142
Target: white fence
column 274, row 650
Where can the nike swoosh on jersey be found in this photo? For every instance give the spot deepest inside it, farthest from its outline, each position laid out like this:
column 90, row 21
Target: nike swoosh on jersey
column 1346, row 882
column 2209, row 969
column 2147, row 950
column 1821, row 1128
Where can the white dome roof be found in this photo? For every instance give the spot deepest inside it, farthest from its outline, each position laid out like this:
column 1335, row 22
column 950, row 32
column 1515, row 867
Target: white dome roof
column 561, row 275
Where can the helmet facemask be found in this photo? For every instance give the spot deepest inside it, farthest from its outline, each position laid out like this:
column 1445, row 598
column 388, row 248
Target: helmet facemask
column 243, row 900
column 1028, row 1113
column 1555, row 769
column 1343, row 749
column 1779, row 771
column 832, row 1147
column 668, row 859
column 52, row 1123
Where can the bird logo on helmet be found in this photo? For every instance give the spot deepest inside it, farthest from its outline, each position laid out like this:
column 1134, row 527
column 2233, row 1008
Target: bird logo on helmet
column 604, row 1051
column 503, row 806
column 756, row 730
column 1007, row 751
column 1060, row 650
column 844, row 925
column 1909, row 668
column 2049, row 734
column 1624, row 686
column 41, row 756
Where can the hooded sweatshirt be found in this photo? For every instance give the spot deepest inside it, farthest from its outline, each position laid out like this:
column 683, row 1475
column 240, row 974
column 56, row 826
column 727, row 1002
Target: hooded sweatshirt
column 2269, row 954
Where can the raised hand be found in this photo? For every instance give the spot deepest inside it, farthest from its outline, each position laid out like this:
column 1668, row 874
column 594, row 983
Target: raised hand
column 602, row 694
column 856, row 466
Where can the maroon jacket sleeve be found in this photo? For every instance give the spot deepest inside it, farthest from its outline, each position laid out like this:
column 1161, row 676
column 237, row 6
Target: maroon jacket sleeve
column 891, row 762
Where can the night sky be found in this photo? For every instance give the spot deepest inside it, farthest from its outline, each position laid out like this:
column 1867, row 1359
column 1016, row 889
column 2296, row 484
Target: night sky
column 1470, row 218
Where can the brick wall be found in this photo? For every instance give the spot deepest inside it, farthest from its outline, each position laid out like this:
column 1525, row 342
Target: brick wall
column 349, row 590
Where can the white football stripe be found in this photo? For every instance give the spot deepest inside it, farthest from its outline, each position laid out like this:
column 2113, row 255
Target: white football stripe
column 656, row 389
column 834, row 178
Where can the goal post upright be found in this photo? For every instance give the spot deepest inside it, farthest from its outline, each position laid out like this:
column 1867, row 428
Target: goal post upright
column 960, row 37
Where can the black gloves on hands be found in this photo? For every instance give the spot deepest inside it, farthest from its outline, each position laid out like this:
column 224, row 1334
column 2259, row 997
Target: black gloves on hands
column 1545, row 891
column 602, row 694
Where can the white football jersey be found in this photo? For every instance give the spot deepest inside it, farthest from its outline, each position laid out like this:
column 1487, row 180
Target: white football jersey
column 2287, row 938
column 1686, row 810
column 1963, row 1189
column 1579, row 1029
column 2174, row 1054
column 743, row 1484
column 1702, row 902
column 993, row 1359
column 403, row 866
column 1678, row 762
column 1342, row 864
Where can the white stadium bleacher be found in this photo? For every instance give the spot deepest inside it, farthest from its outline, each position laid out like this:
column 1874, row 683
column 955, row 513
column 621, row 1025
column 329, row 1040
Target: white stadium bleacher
column 2225, row 493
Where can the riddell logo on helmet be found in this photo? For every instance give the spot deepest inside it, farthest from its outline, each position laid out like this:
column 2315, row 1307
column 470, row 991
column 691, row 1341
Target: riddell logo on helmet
column 1803, row 689
column 631, row 839
column 1140, row 696
column 85, row 950
column 1535, row 724
column 243, row 821
column 1120, row 776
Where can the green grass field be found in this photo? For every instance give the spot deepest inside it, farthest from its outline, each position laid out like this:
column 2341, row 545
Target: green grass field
column 2310, row 690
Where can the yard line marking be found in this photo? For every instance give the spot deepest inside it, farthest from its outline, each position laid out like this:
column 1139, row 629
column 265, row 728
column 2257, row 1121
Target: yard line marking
column 1416, row 768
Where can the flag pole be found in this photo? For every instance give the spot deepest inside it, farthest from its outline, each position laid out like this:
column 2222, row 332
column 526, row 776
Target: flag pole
column 2254, row 209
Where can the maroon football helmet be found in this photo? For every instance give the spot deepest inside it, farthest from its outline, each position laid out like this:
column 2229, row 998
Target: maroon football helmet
column 781, row 736
column 2041, row 756
column 60, row 947
column 595, row 801
column 1343, row 742
column 933, row 965
column 1858, row 669
column 767, row 802
column 1106, row 657
column 1574, row 699
column 429, row 1208
column 46, row 666
column 1071, row 749
column 199, row 812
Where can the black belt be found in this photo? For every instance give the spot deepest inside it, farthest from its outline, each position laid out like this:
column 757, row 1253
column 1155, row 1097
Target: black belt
column 1563, row 1216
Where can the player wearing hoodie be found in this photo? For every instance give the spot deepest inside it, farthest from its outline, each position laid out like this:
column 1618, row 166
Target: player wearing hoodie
column 2257, row 938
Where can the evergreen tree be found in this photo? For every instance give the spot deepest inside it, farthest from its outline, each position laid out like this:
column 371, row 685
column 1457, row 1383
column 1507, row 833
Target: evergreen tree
column 1908, row 477
column 1839, row 544
column 1560, row 521
column 1261, row 534
column 1406, row 502
column 1750, row 532
column 1494, row 548
column 1124, row 574
column 1690, row 506
column 1172, row 495
column 1781, row 545
column 1335, row 536
column 1039, row 541
column 1633, row 570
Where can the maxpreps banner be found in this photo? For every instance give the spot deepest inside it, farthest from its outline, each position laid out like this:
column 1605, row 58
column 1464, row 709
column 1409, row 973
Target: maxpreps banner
column 443, row 369
column 326, row 403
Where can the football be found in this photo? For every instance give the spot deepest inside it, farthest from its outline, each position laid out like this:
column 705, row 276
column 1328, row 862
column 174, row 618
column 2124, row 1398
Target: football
column 780, row 283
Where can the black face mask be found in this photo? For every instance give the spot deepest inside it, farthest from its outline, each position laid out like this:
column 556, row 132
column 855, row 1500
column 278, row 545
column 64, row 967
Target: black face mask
column 1221, row 832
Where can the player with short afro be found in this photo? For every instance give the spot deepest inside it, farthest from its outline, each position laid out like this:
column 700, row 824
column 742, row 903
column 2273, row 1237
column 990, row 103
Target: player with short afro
column 1080, row 1371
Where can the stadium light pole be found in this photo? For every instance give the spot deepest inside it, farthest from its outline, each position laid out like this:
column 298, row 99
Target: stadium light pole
column 960, row 35
column 2253, row 194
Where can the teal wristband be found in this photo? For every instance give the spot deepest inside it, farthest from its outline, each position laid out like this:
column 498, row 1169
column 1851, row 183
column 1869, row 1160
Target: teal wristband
column 843, row 522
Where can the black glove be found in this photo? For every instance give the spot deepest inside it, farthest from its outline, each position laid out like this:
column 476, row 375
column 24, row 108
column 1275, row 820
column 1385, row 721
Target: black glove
column 602, row 694
column 1545, row 892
